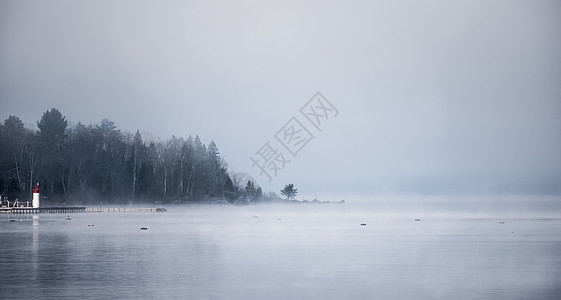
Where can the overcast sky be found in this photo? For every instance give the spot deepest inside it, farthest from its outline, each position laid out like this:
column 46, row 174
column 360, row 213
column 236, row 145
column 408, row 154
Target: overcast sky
column 445, row 91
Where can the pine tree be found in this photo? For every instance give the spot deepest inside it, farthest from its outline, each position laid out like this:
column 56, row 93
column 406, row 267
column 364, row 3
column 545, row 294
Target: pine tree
column 230, row 192
column 52, row 138
column 289, row 191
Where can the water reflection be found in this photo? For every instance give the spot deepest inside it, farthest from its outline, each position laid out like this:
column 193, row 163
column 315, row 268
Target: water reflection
column 34, row 257
column 279, row 252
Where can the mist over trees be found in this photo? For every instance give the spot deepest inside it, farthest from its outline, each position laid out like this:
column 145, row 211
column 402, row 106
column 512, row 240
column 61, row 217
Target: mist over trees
column 93, row 163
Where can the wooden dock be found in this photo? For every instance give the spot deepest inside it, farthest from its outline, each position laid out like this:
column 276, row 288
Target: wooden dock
column 125, row 209
column 36, row 210
column 75, row 209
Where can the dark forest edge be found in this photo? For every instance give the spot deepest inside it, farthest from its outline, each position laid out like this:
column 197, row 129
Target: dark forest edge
column 93, row 164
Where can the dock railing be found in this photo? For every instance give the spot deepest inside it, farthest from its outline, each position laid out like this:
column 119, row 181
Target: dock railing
column 68, row 209
column 124, row 209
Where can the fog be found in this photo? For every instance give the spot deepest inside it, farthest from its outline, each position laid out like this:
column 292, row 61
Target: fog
column 433, row 97
column 505, row 207
column 285, row 251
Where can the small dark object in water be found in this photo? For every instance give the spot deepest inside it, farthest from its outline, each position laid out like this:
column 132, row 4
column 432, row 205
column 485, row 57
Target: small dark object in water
column 417, row 220
column 363, row 224
column 255, row 216
column 68, row 218
column 12, row 220
column 91, row 224
column 143, row 228
column 501, row 222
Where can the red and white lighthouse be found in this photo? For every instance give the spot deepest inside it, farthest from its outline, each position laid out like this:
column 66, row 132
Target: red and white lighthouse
column 36, row 196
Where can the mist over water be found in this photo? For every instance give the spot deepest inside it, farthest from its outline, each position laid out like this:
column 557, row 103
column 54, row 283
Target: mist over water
column 431, row 98
column 458, row 250
column 458, row 206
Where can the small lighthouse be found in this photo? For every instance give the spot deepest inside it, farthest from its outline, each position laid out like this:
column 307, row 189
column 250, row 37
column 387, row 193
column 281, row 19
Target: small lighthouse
column 36, row 196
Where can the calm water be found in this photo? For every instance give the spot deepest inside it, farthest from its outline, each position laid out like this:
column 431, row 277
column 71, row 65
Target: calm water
column 458, row 251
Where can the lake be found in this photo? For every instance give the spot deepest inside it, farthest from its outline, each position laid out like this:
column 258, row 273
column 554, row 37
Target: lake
column 461, row 248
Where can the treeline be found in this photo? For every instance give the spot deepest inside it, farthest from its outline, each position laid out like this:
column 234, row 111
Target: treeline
column 93, row 163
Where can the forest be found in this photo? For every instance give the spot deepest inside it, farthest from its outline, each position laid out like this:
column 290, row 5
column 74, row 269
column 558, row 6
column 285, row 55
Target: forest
column 89, row 164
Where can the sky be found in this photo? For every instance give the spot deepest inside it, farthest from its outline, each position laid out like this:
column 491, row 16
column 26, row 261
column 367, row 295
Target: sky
column 425, row 96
